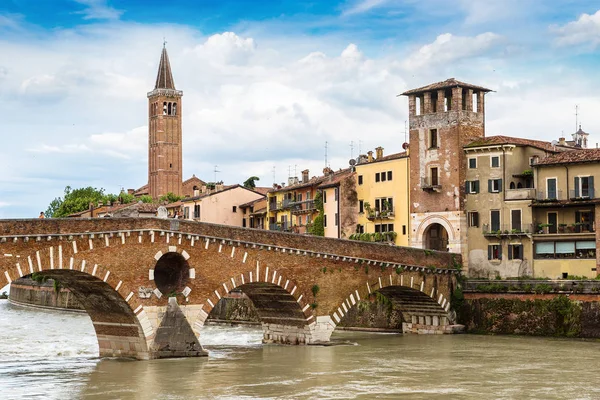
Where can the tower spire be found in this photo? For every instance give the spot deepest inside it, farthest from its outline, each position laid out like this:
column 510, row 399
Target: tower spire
column 164, row 78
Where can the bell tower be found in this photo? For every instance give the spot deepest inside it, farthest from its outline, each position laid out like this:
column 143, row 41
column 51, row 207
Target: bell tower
column 164, row 133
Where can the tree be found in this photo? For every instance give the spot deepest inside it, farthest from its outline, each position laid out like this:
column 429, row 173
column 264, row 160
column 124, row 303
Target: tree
column 74, row 201
column 249, row 183
column 170, row 197
column 146, row 199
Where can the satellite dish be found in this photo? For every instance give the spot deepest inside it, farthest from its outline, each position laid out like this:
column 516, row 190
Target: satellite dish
column 352, row 161
column 405, row 145
column 554, row 143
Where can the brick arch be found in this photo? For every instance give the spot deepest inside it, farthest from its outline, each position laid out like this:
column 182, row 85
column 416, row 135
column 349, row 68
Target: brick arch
column 121, row 325
column 261, row 275
column 436, row 219
column 391, row 280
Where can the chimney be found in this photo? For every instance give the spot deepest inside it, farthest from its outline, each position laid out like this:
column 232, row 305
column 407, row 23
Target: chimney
column 562, row 141
column 130, row 191
column 305, row 176
column 327, row 171
column 369, row 156
column 379, row 152
column 219, row 186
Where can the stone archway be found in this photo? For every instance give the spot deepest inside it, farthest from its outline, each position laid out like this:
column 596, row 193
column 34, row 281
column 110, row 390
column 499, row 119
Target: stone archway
column 435, row 237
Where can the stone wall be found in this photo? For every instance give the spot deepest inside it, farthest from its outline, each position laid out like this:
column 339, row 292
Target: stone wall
column 532, row 314
column 26, row 291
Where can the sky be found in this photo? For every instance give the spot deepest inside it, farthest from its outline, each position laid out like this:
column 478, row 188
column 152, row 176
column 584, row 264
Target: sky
column 270, row 87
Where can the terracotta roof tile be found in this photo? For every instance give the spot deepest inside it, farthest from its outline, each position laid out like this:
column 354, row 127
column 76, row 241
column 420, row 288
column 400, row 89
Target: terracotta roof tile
column 448, row 83
column 498, row 140
column 164, row 78
column 572, row 157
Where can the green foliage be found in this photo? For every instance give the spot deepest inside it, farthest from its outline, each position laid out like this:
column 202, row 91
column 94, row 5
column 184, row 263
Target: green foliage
column 318, row 228
column 57, row 286
column 493, row 288
column 542, row 288
column 249, row 183
column 428, row 252
column 170, row 197
column 126, row 198
column 399, row 270
column 315, row 290
column 367, row 269
column 313, row 305
column 39, row 278
column 74, row 201
column 146, row 199
column 457, row 298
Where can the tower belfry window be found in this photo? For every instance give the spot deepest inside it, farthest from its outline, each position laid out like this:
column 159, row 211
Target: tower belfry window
column 169, row 109
column 165, row 108
column 174, row 108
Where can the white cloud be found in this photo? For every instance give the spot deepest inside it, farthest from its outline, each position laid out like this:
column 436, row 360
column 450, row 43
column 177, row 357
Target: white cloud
column 10, row 21
column 363, row 6
column 447, row 48
column 585, row 30
column 227, row 48
column 98, row 9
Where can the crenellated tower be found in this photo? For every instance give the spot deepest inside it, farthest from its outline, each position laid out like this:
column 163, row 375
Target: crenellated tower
column 164, row 133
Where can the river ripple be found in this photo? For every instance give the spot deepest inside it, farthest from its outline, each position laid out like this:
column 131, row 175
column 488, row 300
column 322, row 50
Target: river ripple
column 53, row 355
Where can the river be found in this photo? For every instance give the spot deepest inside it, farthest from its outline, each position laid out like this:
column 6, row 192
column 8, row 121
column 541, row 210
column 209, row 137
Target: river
column 53, row 355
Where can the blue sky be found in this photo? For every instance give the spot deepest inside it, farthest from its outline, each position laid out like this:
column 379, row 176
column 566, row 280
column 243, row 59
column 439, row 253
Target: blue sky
column 267, row 83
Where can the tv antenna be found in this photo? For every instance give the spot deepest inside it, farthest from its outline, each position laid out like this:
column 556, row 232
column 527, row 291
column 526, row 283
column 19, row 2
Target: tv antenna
column 216, row 171
column 352, row 149
column 326, row 153
column 576, row 117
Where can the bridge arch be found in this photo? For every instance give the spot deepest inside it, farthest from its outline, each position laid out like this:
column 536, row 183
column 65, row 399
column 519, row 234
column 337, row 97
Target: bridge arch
column 122, row 327
column 423, row 308
column 286, row 316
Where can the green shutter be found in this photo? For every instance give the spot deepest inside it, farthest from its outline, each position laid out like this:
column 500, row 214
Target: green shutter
column 591, row 186
column 510, row 251
column 490, row 185
column 476, row 186
column 499, row 185
column 467, row 187
column 489, row 252
column 576, row 186
column 500, row 252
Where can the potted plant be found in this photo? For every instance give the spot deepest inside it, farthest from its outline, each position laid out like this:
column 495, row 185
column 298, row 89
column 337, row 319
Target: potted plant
column 562, row 228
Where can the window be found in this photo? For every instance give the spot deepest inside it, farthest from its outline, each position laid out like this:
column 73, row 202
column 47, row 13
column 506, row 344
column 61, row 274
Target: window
column 495, row 161
column 515, row 220
column 337, row 219
column 433, row 139
column 361, row 206
column 377, row 177
column 584, row 221
column 325, row 220
column 389, row 175
column 324, row 196
column 244, row 223
column 197, row 211
column 308, row 220
column 495, row 220
column 360, row 179
column 308, row 195
column 472, row 163
column 404, row 229
column 384, row 204
column 584, row 186
column 433, row 174
column 494, row 252
column 494, row 185
column 551, row 188
column 234, row 209
column 383, row 177
column 579, row 249
column 472, row 187
column 380, row 228
column 299, row 197
column 473, row 218
column 186, row 213
column 515, row 251
column 360, row 228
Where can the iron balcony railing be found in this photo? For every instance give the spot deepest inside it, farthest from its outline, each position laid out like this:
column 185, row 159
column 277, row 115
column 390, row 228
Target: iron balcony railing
column 550, row 195
column 507, row 229
column 582, row 194
column 279, row 226
column 578, row 227
column 300, row 206
column 387, row 212
column 430, row 183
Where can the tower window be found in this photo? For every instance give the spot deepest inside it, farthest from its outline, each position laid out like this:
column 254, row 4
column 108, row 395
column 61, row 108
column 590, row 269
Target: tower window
column 170, row 165
column 174, row 108
column 169, row 108
column 433, row 142
column 165, row 108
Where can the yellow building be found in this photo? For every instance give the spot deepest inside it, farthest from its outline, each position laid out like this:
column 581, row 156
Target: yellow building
column 383, row 196
column 566, row 214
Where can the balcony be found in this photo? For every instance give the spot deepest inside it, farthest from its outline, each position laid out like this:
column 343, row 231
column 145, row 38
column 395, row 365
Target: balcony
column 279, row 226
column 561, row 229
column 431, row 184
column 545, row 197
column 521, row 194
column 386, row 213
column 507, row 230
column 583, row 194
column 301, row 207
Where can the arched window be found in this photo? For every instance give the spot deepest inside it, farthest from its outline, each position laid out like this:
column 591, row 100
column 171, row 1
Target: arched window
column 512, row 185
column 174, row 108
column 169, row 109
column 519, row 185
column 165, row 108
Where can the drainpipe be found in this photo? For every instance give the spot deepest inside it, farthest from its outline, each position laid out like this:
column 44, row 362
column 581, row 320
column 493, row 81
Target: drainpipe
column 408, row 231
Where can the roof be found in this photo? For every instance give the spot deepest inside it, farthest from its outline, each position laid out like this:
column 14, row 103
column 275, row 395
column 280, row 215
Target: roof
column 193, row 178
column 572, row 157
column 315, row 180
column 448, row 83
column 262, row 190
column 141, row 191
column 251, row 203
column 336, row 178
column 225, row 188
column 499, row 140
column 164, row 78
column 395, row 156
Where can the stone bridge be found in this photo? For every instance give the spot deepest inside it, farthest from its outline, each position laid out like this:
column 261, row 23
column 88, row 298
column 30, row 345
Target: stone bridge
column 148, row 284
